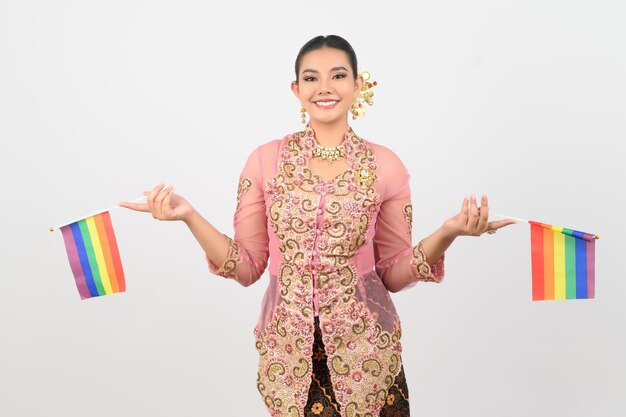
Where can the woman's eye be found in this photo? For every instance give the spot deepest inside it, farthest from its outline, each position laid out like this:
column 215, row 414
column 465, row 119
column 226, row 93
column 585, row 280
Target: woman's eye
column 309, row 79
column 340, row 75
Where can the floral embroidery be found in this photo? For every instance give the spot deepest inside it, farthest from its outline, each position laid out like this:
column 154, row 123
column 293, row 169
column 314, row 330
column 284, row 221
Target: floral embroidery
column 320, row 224
column 244, row 186
column 424, row 271
column 317, row 408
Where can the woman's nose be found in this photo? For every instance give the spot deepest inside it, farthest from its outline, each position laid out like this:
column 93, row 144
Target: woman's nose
column 324, row 87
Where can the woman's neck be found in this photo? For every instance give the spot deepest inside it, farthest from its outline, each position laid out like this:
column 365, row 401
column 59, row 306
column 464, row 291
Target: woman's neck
column 330, row 134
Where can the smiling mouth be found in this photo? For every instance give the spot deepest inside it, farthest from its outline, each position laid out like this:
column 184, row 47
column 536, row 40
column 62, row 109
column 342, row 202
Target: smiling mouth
column 326, row 104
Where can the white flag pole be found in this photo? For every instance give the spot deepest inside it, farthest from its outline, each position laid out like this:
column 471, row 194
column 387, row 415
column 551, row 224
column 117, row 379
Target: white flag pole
column 52, row 229
column 517, row 219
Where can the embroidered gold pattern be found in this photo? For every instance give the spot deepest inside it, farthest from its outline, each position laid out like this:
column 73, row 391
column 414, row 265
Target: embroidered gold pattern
column 320, row 224
column 408, row 216
column 227, row 269
column 418, row 262
column 244, row 186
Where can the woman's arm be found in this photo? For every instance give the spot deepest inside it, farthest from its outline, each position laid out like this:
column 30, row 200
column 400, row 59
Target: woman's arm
column 163, row 204
column 243, row 257
column 214, row 243
column 470, row 221
column 399, row 262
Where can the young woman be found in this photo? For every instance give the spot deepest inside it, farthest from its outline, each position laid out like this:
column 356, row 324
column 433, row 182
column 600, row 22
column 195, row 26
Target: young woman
column 332, row 212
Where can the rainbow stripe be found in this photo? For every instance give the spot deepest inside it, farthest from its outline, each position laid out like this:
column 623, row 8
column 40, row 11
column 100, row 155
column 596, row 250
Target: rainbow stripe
column 563, row 263
column 94, row 257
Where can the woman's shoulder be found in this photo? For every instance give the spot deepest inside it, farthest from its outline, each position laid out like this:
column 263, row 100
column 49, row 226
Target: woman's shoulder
column 267, row 150
column 391, row 172
column 265, row 156
column 271, row 148
column 385, row 157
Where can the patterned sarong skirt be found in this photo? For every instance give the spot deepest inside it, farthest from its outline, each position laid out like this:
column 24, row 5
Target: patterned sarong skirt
column 321, row 401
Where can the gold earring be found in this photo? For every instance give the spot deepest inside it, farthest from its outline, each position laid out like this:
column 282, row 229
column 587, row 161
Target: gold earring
column 364, row 96
column 303, row 114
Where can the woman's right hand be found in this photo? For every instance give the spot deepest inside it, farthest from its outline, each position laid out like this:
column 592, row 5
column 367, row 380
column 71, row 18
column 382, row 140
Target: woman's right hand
column 163, row 204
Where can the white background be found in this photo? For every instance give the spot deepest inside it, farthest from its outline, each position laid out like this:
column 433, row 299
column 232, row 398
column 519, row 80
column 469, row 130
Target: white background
column 100, row 100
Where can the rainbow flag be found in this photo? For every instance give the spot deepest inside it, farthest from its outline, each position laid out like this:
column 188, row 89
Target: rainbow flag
column 563, row 262
column 94, row 257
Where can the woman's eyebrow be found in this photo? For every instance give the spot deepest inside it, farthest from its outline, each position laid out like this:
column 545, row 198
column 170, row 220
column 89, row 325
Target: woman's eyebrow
column 332, row 69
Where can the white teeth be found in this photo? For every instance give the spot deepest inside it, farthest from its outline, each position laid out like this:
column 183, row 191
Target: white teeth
column 325, row 103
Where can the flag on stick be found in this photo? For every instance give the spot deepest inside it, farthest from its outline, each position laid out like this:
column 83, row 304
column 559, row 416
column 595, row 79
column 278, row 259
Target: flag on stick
column 94, row 257
column 563, row 262
column 93, row 254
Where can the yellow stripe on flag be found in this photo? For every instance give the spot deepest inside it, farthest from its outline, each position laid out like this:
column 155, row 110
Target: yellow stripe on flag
column 97, row 249
column 559, row 263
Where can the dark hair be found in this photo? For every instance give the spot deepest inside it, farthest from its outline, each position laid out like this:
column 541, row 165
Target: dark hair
column 331, row 41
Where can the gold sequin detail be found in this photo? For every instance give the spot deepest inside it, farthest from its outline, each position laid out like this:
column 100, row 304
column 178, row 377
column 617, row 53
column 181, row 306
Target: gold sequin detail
column 365, row 176
column 229, row 265
column 418, row 262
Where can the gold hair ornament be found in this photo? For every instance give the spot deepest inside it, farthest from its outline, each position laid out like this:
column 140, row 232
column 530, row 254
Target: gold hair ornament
column 365, row 95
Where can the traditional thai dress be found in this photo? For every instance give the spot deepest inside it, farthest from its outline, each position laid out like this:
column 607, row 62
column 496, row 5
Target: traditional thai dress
column 335, row 246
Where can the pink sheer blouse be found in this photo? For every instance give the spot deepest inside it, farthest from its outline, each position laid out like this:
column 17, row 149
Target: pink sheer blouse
column 336, row 248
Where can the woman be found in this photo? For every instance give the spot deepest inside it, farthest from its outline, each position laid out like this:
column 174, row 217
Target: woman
column 332, row 211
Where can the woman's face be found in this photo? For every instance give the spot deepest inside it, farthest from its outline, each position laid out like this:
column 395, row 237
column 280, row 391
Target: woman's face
column 326, row 86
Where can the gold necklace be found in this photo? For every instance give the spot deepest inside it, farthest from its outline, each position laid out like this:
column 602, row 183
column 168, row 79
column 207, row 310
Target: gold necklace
column 328, row 153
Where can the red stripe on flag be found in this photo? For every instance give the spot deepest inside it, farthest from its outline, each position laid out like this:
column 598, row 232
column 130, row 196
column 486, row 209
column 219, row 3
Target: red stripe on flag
column 536, row 248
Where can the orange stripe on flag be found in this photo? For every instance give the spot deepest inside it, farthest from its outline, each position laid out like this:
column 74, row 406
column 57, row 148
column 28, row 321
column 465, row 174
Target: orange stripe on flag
column 548, row 264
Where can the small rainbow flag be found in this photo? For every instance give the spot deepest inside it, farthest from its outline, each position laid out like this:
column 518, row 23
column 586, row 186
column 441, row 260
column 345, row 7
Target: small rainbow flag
column 563, row 262
column 94, row 257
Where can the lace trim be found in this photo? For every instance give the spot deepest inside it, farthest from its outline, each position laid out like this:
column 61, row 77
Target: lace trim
column 227, row 270
column 424, row 271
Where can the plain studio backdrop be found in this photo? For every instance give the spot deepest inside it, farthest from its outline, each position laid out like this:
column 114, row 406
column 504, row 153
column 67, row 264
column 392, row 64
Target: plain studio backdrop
column 101, row 100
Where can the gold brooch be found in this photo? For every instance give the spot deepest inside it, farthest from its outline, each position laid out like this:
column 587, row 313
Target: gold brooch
column 365, row 176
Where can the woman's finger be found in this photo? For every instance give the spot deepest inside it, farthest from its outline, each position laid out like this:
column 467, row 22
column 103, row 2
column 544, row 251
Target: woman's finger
column 134, row 206
column 473, row 215
column 158, row 202
column 484, row 214
column 166, row 201
column 155, row 191
column 501, row 223
column 165, row 210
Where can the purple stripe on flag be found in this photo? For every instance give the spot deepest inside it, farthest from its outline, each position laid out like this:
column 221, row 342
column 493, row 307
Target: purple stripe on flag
column 72, row 255
column 591, row 269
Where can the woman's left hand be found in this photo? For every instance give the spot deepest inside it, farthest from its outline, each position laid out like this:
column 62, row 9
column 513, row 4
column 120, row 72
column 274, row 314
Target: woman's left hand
column 473, row 220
